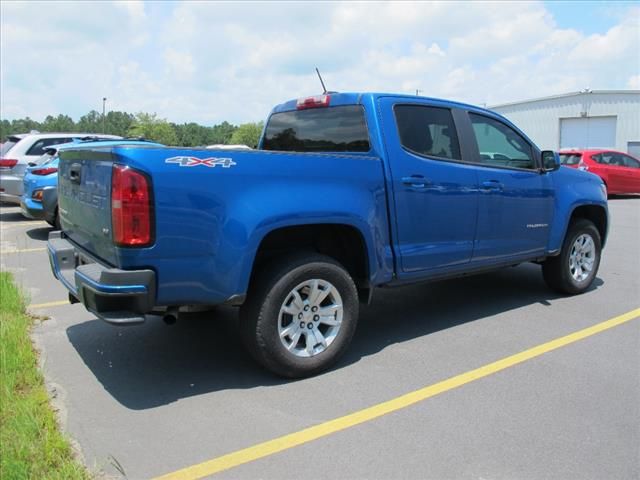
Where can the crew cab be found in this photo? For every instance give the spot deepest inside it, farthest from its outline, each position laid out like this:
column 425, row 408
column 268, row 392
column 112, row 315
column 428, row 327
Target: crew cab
column 346, row 193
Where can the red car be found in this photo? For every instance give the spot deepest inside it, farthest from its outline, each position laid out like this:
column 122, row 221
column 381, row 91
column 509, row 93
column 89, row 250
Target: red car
column 619, row 171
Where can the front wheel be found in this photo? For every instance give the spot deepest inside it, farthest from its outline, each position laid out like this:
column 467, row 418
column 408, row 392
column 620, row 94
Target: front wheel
column 574, row 270
column 300, row 315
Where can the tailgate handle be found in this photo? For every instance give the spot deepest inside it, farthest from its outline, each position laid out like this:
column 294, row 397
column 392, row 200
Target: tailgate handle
column 74, row 172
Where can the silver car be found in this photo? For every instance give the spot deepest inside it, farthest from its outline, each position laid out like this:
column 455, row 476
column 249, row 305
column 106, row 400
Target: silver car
column 18, row 151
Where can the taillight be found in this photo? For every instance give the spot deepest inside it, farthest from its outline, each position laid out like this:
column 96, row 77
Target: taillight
column 44, row 171
column 131, row 207
column 313, row 102
column 8, row 162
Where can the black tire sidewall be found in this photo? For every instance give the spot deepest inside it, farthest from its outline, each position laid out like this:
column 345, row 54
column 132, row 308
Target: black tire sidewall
column 274, row 352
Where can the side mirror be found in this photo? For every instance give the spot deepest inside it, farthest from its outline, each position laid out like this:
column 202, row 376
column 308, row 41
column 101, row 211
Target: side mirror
column 550, row 160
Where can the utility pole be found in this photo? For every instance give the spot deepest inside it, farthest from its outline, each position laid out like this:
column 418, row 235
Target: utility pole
column 104, row 101
column 418, row 92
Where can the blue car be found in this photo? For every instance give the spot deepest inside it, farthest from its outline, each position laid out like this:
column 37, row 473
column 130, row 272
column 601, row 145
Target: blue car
column 40, row 198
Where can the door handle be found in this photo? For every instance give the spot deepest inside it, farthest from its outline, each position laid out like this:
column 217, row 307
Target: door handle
column 74, row 172
column 415, row 181
column 492, row 185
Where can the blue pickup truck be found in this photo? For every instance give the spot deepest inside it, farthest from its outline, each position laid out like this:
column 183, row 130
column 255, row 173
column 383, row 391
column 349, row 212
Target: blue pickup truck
column 346, row 193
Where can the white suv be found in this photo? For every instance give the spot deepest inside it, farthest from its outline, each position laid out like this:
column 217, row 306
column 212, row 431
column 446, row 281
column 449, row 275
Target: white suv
column 20, row 150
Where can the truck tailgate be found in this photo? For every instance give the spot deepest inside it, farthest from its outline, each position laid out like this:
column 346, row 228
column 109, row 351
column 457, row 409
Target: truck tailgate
column 84, row 203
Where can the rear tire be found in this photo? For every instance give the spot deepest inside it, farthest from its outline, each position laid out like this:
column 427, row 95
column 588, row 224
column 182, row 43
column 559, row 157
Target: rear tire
column 57, row 221
column 573, row 271
column 300, row 315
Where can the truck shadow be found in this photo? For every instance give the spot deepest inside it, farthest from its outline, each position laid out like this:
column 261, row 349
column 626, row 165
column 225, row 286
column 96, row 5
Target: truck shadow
column 13, row 215
column 41, row 233
column 152, row 365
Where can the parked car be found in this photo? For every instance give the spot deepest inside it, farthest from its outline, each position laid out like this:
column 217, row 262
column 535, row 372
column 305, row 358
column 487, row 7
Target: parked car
column 347, row 193
column 619, row 171
column 25, row 149
column 40, row 197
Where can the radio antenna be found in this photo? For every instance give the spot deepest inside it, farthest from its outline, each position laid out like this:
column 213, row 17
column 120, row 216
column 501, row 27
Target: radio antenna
column 324, row 92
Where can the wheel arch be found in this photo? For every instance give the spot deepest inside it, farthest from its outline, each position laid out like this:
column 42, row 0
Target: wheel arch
column 597, row 214
column 344, row 242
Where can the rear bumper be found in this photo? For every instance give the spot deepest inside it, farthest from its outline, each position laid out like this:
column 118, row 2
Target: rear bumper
column 31, row 209
column 121, row 297
column 10, row 188
column 8, row 198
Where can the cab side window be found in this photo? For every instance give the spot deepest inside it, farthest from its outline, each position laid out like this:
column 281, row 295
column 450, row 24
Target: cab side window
column 427, row 131
column 500, row 145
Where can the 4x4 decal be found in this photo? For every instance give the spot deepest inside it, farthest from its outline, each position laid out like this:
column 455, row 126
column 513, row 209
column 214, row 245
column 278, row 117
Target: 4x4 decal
column 207, row 162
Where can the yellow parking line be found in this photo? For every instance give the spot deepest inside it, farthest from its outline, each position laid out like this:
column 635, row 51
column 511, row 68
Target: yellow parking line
column 23, row 250
column 49, row 304
column 286, row 442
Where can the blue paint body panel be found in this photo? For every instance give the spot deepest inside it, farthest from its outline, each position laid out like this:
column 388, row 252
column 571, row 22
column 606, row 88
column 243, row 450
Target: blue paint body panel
column 211, row 219
column 32, row 183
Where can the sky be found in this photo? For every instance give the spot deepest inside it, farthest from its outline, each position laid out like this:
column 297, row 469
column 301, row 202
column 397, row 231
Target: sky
column 206, row 61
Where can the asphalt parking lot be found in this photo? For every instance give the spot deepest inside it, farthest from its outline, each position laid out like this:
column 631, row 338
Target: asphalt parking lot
column 151, row 400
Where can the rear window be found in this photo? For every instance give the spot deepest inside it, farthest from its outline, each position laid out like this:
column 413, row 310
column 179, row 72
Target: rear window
column 334, row 129
column 38, row 147
column 570, row 158
column 45, row 158
column 5, row 147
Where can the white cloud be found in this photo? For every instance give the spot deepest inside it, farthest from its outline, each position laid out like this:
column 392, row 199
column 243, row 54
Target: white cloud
column 179, row 64
column 214, row 61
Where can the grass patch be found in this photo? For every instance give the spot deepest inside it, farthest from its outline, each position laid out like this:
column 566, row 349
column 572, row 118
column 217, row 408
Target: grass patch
column 31, row 446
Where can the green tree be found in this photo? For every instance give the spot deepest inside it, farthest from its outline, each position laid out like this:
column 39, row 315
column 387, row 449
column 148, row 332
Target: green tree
column 247, row 134
column 150, row 127
column 24, row 125
column 119, row 123
column 61, row 123
column 192, row 134
column 90, row 123
column 221, row 133
column 5, row 129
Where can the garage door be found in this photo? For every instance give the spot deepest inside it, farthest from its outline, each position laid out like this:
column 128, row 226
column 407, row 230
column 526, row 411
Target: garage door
column 588, row 132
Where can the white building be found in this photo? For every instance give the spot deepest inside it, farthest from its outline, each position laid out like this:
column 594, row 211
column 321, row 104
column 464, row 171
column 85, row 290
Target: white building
column 587, row 119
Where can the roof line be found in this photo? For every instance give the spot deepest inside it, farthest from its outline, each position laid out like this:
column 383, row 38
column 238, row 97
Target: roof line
column 564, row 95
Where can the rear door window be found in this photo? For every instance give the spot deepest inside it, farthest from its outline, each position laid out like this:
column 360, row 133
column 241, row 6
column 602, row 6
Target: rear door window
column 500, row 145
column 333, row 129
column 615, row 159
column 38, row 147
column 428, row 131
column 630, row 162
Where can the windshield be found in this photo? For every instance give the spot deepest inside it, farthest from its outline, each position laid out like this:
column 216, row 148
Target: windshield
column 5, row 147
column 570, row 158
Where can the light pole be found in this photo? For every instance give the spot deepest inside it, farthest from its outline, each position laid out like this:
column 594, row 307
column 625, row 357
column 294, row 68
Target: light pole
column 104, row 101
column 418, row 92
